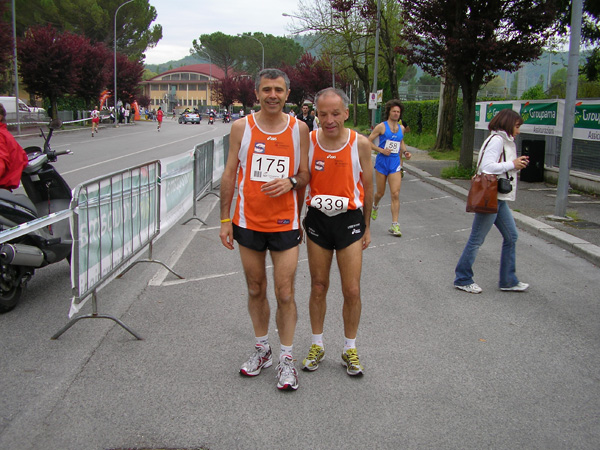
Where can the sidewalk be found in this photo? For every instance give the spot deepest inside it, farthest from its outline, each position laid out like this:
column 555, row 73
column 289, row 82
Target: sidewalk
column 534, row 204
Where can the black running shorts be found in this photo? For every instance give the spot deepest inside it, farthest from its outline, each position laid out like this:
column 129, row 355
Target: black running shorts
column 259, row 241
column 337, row 232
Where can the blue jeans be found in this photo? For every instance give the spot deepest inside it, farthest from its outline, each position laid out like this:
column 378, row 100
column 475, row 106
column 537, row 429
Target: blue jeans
column 482, row 223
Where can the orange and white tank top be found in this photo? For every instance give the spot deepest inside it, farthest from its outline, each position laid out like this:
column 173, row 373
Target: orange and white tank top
column 335, row 177
column 264, row 156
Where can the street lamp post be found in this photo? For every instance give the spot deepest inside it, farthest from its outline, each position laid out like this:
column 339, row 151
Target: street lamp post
column 115, row 55
column 209, row 76
column 14, row 29
column 376, row 68
column 261, row 44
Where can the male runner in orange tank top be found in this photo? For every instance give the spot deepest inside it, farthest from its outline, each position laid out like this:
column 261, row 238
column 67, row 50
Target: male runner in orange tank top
column 270, row 149
column 341, row 184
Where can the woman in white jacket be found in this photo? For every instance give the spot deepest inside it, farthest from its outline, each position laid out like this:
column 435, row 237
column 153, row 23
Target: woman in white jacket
column 500, row 158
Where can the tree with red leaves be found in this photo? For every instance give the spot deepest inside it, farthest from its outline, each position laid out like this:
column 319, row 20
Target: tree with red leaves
column 307, row 77
column 238, row 88
column 469, row 40
column 226, row 91
column 245, row 91
column 50, row 63
column 94, row 72
column 129, row 76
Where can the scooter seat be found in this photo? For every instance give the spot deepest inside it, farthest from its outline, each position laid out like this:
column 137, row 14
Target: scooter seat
column 19, row 199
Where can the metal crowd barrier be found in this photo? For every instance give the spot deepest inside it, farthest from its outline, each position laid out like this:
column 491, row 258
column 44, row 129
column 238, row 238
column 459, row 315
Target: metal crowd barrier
column 204, row 157
column 114, row 218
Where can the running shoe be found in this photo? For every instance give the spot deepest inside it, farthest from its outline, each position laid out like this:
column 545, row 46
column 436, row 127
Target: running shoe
column 261, row 359
column 472, row 288
column 315, row 356
column 519, row 287
column 395, row 230
column 351, row 362
column 287, row 377
column 374, row 213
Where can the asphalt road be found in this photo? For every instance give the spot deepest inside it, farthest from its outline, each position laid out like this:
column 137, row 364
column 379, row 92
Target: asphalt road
column 113, row 149
column 444, row 369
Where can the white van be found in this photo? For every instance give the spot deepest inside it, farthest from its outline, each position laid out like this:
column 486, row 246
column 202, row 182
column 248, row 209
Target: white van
column 10, row 106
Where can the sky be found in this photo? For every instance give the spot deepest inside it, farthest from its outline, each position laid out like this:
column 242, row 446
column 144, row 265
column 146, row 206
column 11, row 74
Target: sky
column 183, row 21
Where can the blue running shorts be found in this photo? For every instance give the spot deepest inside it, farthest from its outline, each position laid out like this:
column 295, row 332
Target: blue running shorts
column 388, row 164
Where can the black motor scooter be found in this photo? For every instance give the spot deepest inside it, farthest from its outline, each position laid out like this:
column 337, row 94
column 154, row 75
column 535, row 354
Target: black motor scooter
column 47, row 192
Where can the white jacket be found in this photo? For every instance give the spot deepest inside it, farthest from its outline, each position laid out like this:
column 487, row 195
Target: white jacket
column 496, row 142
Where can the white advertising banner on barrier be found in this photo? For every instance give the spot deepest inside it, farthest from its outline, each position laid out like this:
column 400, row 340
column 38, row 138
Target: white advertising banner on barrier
column 117, row 216
column 218, row 160
column 177, row 188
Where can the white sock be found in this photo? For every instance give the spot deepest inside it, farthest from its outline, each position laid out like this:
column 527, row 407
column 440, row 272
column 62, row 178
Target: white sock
column 285, row 351
column 317, row 339
column 263, row 340
column 349, row 343
column 375, row 207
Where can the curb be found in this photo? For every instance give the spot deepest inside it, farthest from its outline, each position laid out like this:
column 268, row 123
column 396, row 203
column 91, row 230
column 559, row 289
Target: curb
column 575, row 245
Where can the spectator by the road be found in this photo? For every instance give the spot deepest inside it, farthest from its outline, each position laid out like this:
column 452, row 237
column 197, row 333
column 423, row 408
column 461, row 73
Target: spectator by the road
column 159, row 117
column 95, row 114
column 341, row 183
column 499, row 156
column 270, row 149
column 316, row 124
column 306, row 117
column 13, row 158
column 388, row 163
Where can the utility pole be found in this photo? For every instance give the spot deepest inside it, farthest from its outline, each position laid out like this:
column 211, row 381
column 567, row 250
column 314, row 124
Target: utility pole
column 566, row 148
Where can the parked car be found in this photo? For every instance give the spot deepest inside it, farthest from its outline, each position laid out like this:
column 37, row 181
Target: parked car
column 189, row 117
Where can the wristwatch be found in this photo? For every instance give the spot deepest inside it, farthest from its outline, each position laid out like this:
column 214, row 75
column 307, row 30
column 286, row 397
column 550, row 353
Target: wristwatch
column 293, row 181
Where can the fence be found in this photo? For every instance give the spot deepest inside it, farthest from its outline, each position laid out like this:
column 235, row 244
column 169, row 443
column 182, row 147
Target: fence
column 116, row 217
column 543, row 122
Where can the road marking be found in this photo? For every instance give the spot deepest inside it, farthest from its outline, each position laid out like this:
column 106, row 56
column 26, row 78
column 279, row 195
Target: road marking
column 418, row 201
column 132, row 154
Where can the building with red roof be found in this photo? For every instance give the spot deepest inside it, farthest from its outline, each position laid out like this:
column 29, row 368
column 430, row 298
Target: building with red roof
column 184, row 87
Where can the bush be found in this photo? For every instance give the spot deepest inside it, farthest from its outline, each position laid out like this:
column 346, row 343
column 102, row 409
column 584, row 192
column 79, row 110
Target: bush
column 534, row 93
column 421, row 117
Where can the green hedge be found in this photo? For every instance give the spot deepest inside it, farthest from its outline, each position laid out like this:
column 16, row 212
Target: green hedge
column 421, row 116
column 363, row 115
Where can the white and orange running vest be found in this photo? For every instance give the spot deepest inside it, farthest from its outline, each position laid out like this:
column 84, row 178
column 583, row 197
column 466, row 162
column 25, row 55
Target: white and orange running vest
column 262, row 157
column 335, row 176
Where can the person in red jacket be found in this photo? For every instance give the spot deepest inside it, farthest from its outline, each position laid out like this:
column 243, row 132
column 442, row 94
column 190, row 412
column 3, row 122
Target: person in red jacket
column 13, row 158
column 159, row 117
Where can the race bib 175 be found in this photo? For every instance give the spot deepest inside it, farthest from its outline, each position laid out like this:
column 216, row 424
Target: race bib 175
column 268, row 167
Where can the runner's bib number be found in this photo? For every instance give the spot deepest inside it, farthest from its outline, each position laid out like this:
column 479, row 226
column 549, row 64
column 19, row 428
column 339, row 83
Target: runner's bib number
column 330, row 204
column 392, row 146
column 268, row 167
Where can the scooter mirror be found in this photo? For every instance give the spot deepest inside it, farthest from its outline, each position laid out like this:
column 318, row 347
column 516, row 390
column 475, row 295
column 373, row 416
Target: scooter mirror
column 55, row 124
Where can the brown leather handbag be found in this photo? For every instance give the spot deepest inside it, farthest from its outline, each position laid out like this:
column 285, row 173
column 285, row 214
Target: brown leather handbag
column 483, row 195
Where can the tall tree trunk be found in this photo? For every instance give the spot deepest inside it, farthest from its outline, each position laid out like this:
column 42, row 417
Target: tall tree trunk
column 355, row 103
column 445, row 133
column 469, row 90
column 393, row 78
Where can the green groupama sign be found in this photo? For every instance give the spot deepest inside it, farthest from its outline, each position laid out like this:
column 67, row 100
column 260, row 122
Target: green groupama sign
column 587, row 116
column 539, row 113
column 492, row 109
